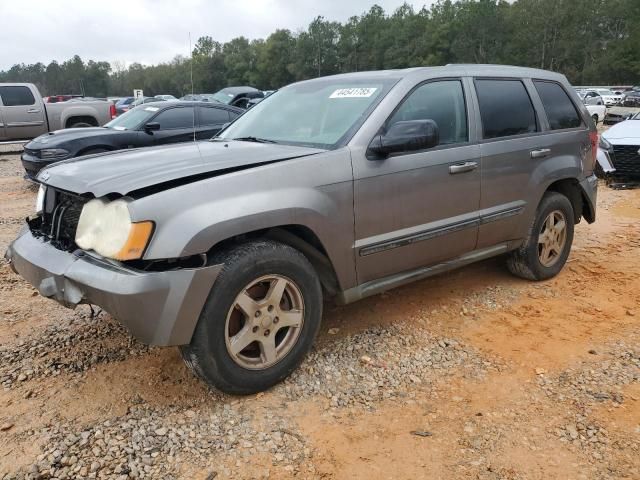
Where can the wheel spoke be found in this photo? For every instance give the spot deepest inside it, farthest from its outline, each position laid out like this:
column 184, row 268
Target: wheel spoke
column 290, row 318
column 559, row 227
column 276, row 290
column 242, row 339
column 247, row 304
column 543, row 238
column 268, row 348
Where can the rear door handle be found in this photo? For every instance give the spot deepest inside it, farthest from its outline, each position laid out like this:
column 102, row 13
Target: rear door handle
column 463, row 167
column 543, row 152
column 33, row 110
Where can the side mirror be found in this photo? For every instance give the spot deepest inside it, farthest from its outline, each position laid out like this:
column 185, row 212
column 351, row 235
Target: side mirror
column 406, row 136
column 151, row 127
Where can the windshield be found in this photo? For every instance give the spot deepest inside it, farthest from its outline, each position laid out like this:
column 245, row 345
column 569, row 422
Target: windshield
column 317, row 113
column 223, row 97
column 133, row 118
column 604, row 91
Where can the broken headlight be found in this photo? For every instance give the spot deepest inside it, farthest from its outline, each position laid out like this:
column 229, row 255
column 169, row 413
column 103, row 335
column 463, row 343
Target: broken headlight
column 106, row 228
column 40, row 198
column 604, row 144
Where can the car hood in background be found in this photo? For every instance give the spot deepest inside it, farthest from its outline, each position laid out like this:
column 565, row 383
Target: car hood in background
column 61, row 137
column 126, row 171
column 624, row 132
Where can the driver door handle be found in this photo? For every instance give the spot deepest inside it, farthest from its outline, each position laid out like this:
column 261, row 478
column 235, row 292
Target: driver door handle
column 463, row 167
column 543, row 152
column 33, row 110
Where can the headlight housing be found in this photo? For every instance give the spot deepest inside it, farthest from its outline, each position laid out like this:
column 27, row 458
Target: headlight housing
column 54, row 153
column 604, row 144
column 106, row 228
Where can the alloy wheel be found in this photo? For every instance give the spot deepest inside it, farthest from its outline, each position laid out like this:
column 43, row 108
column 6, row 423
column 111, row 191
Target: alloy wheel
column 552, row 238
column 264, row 322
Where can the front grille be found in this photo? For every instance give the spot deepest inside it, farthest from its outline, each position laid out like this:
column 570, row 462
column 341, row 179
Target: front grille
column 626, row 159
column 59, row 219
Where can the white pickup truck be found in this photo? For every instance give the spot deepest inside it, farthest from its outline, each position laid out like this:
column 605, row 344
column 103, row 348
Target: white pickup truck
column 597, row 112
column 24, row 115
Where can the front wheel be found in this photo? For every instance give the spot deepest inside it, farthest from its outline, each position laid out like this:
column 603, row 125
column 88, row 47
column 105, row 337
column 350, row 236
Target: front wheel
column 548, row 244
column 259, row 320
column 595, row 119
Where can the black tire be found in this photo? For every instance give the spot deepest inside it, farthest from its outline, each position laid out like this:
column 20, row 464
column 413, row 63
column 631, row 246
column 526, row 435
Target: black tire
column 525, row 262
column 80, row 124
column 595, row 119
column 207, row 354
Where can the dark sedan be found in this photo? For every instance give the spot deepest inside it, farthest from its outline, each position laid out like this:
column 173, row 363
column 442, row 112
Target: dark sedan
column 144, row 126
column 631, row 98
column 237, row 96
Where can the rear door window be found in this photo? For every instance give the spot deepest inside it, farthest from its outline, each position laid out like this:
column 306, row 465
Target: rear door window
column 14, row 96
column 505, row 108
column 181, row 117
column 559, row 108
column 213, row 116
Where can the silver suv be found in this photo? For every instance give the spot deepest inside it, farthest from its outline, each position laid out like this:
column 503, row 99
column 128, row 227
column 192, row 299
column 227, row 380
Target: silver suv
column 341, row 187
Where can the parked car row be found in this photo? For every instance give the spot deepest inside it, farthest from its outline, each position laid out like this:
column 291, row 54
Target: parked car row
column 609, row 97
column 24, row 115
column 158, row 123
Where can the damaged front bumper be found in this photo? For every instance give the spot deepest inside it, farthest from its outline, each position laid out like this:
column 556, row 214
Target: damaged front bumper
column 158, row 308
column 604, row 160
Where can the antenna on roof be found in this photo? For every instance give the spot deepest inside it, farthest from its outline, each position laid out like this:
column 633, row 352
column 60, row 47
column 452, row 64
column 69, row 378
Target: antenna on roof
column 194, row 107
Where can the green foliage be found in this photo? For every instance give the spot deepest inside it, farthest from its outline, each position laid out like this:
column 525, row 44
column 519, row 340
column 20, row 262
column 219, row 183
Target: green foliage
column 590, row 41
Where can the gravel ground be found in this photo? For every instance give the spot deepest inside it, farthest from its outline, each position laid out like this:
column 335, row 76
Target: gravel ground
column 473, row 374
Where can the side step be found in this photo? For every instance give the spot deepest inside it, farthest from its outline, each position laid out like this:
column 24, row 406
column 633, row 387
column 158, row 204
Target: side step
column 387, row 283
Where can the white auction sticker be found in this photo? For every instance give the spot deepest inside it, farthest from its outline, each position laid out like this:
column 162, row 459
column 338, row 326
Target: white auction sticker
column 151, row 109
column 357, row 92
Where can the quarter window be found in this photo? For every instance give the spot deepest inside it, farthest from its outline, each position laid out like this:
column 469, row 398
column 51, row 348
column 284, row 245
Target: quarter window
column 213, row 116
column 505, row 108
column 442, row 102
column 560, row 110
column 175, row 118
column 16, row 96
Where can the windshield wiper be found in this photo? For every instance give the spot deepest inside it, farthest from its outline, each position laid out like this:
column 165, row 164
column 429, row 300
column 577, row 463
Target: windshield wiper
column 255, row 139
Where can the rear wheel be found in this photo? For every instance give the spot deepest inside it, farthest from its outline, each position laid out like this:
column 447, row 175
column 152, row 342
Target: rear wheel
column 80, row 124
column 259, row 320
column 547, row 247
column 595, row 118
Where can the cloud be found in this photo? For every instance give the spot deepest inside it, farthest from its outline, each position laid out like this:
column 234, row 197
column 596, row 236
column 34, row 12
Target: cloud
column 151, row 31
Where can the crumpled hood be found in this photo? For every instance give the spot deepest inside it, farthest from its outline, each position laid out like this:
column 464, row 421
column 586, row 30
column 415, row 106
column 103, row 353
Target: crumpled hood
column 125, row 171
column 624, row 133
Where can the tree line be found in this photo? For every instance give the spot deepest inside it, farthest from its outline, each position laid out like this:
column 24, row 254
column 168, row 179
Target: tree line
column 590, row 41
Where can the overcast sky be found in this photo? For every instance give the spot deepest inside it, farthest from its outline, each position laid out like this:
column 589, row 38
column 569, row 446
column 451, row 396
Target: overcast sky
column 151, row 31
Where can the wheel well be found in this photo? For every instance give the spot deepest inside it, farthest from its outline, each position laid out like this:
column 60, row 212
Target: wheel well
column 90, row 120
column 93, row 147
column 570, row 188
column 301, row 238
